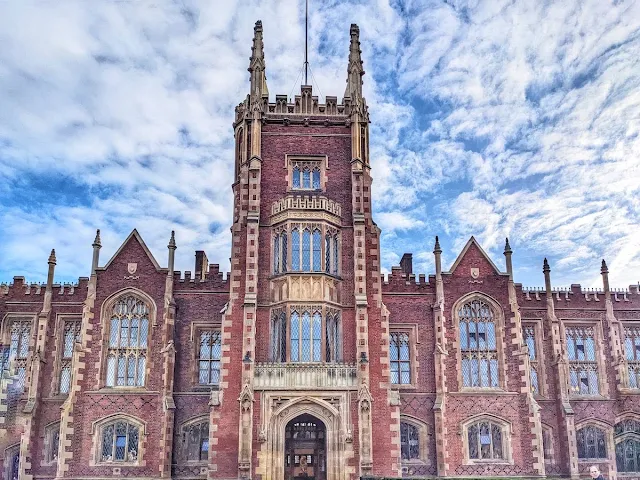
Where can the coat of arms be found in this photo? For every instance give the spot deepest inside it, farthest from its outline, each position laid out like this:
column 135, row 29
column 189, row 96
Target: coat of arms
column 132, row 267
column 475, row 272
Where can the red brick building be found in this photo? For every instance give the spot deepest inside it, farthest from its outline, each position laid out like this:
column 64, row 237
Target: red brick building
column 304, row 359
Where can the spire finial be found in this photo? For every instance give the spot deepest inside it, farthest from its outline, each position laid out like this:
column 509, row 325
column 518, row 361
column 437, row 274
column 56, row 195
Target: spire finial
column 97, row 242
column 306, row 42
column 436, row 248
column 507, row 247
column 257, row 65
column 172, row 240
column 355, row 70
column 604, row 269
column 545, row 266
column 52, row 257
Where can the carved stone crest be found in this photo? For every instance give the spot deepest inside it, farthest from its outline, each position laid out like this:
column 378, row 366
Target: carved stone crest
column 132, row 268
column 475, row 272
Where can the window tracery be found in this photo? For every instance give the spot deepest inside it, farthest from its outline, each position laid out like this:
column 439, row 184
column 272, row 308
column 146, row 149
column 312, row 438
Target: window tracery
column 195, row 441
column 632, row 354
column 478, row 345
column 591, row 442
column 627, row 445
column 583, row 366
column 486, row 440
column 70, row 336
column 308, row 251
column 20, row 336
column 120, row 442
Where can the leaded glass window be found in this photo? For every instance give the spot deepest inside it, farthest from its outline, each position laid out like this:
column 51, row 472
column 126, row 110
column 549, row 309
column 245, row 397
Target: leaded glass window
column 316, row 178
column 296, row 177
column 400, row 360
column 306, row 250
column 128, row 334
column 19, row 350
column 530, row 340
column 317, row 250
column 583, row 367
column 632, row 354
column 52, row 442
column 306, row 336
column 195, row 441
column 306, row 178
column 332, row 325
column 295, row 250
column 478, row 345
column 120, row 442
column 209, row 357
column 627, row 438
column 283, row 255
column 335, row 254
column 409, row 441
column 327, row 253
column 485, row 441
column 276, row 254
column 12, row 460
column 591, row 442
column 71, row 335
column 279, row 338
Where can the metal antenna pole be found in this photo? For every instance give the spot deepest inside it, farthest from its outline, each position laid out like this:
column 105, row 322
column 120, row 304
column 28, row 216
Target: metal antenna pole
column 306, row 42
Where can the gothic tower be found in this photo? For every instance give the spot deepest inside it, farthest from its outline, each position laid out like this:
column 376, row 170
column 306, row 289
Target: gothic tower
column 305, row 365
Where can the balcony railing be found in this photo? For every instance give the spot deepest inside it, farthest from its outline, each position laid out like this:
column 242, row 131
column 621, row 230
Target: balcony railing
column 307, row 376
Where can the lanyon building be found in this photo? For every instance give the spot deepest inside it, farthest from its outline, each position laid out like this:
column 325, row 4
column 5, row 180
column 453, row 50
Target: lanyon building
column 305, row 361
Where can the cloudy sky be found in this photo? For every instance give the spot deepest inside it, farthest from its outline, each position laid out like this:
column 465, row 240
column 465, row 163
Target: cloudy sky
column 489, row 118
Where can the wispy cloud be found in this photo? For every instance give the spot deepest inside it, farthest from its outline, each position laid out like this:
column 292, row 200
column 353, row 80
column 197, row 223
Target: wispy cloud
column 490, row 118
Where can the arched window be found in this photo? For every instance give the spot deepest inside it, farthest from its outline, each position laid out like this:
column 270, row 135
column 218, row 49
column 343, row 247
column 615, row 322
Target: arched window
column 12, row 463
column 409, row 441
column 485, row 440
column 276, row 254
column 120, row 442
column 306, row 336
column 295, row 250
column 127, row 352
column 195, row 441
column 317, row 250
column 296, row 177
column 478, row 345
column 279, row 337
column 51, row 442
column 306, row 250
column 316, row 178
column 627, row 439
column 19, row 350
column 333, row 337
column 591, row 442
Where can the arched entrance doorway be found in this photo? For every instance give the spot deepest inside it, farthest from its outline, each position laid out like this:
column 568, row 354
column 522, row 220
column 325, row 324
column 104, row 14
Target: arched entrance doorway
column 305, row 449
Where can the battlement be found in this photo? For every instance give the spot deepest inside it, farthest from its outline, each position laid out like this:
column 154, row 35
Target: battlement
column 578, row 293
column 211, row 278
column 21, row 289
column 400, row 281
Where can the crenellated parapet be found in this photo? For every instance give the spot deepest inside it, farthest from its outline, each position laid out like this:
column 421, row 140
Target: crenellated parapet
column 21, row 290
column 578, row 296
column 212, row 279
column 399, row 281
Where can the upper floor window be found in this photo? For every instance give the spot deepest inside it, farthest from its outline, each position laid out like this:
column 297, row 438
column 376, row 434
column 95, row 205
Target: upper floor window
column 485, row 440
column 195, row 441
column 627, row 439
column 305, row 175
column 632, row 353
column 478, row 345
column 400, row 358
column 591, row 442
column 19, row 350
column 127, row 350
column 309, row 253
column 532, row 347
column 583, row 366
column 52, row 442
column 279, row 337
column 120, row 442
column 208, row 357
column 71, row 335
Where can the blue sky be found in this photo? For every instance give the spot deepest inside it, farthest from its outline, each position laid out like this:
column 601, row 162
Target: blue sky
column 489, row 118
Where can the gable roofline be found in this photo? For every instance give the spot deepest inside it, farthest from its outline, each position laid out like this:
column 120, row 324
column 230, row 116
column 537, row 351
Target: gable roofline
column 134, row 233
column 473, row 241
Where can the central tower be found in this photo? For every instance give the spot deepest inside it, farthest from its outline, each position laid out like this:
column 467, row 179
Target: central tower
column 305, row 333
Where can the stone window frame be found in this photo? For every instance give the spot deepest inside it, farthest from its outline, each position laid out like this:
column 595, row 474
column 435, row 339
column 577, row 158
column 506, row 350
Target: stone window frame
column 9, row 452
column 287, row 227
column 198, row 419
column 47, row 451
column 499, row 321
column 596, row 324
column 548, row 452
column 61, row 318
column 321, row 161
column 5, row 335
column 629, row 415
column 96, row 445
column 414, row 340
column 628, row 323
column 105, row 316
column 540, row 358
column 423, row 434
column 325, row 309
column 196, row 329
column 608, row 437
column 507, row 437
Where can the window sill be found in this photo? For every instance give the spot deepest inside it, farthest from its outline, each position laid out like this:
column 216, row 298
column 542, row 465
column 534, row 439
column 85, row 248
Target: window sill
column 414, row 462
column 275, row 276
column 123, row 391
column 484, row 391
column 117, row 464
column 488, row 462
column 404, row 386
column 588, row 397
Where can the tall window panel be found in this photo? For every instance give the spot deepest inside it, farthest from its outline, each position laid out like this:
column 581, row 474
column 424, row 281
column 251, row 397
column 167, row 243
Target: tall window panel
column 128, row 335
column 478, row 345
column 317, row 251
column 276, row 254
column 532, row 347
column 19, row 350
column 626, row 435
column 583, row 366
column 120, row 442
column 52, row 442
column 632, row 354
column 332, row 326
column 295, row 250
column 283, row 252
column 306, row 336
column 306, row 250
column 591, row 442
column 195, row 442
column 209, row 355
column 327, row 253
column 400, row 358
column 279, row 337
column 336, row 252
column 485, row 441
column 71, row 335
column 409, row 441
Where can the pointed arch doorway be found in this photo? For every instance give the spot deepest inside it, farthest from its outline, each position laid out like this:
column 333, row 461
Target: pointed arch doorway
column 305, row 449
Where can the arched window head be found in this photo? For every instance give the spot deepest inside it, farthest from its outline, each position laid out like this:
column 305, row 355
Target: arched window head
column 591, row 441
column 306, row 178
column 409, row 441
column 195, row 441
column 120, row 442
column 51, row 442
column 627, row 440
column 295, row 250
column 486, row 440
column 478, row 345
column 12, row 462
column 127, row 349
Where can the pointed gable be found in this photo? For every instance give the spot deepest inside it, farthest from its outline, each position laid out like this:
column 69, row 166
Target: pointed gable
column 133, row 250
column 474, row 257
